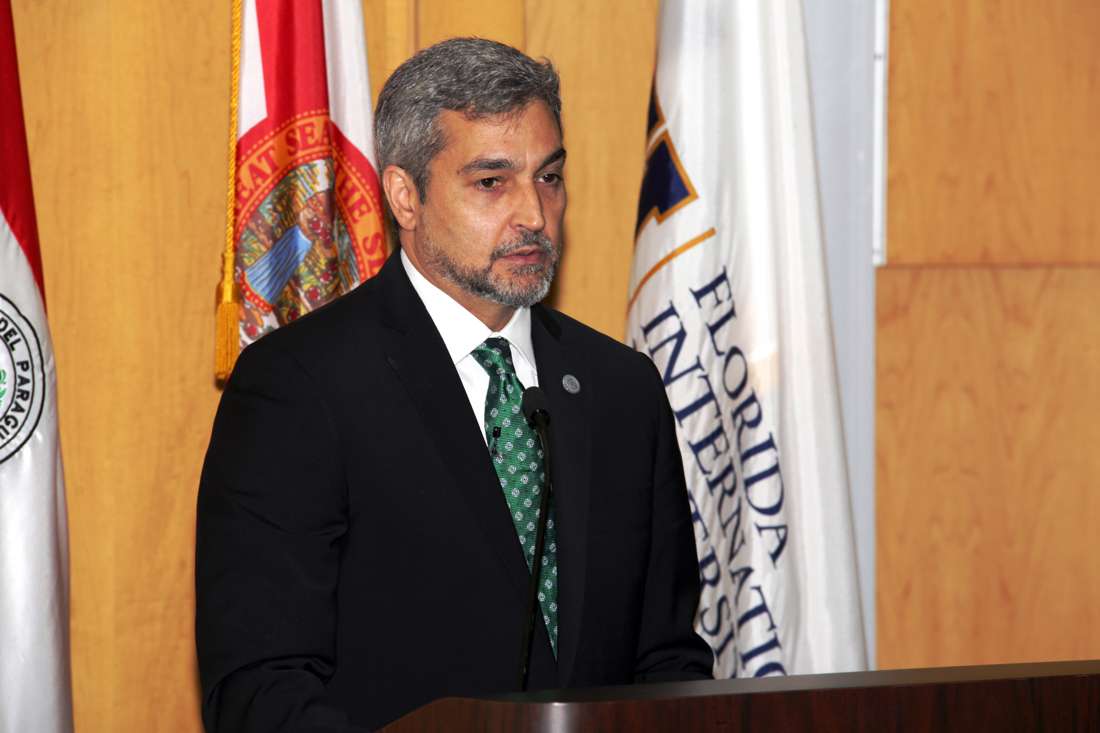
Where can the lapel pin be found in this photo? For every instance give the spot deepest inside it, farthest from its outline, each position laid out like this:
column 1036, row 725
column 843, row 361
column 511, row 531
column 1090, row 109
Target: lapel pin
column 572, row 386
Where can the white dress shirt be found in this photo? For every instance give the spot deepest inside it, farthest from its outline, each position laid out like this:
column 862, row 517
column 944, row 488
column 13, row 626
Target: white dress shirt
column 462, row 332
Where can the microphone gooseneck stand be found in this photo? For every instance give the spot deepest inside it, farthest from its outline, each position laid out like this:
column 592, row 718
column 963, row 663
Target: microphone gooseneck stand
column 536, row 408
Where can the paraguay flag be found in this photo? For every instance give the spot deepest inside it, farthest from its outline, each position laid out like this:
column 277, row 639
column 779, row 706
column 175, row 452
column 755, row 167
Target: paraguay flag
column 35, row 689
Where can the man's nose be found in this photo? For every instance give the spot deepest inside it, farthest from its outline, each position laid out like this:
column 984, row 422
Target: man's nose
column 528, row 208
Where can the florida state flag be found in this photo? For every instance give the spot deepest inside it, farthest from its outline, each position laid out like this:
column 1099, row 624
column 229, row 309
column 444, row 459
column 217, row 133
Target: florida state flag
column 34, row 556
column 305, row 213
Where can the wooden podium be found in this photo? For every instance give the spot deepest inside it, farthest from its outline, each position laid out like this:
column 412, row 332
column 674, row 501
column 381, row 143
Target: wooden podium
column 1055, row 696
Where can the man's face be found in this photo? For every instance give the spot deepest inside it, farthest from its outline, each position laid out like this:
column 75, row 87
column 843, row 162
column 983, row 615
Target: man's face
column 491, row 223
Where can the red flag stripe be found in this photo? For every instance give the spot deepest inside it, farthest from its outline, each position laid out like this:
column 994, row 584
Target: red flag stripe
column 16, row 195
column 292, row 44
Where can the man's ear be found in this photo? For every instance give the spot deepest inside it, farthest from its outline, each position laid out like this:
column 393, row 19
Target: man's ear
column 402, row 196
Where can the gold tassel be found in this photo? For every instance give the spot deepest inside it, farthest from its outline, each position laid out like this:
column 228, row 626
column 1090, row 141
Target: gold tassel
column 227, row 340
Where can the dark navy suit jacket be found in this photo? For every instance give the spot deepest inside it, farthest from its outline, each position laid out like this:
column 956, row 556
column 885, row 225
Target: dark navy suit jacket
column 355, row 555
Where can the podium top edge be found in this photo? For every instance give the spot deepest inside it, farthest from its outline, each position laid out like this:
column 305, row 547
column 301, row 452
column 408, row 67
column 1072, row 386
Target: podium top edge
column 793, row 683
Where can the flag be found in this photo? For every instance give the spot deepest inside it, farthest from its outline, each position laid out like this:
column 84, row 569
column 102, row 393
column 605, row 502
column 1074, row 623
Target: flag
column 305, row 211
column 35, row 684
column 728, row 297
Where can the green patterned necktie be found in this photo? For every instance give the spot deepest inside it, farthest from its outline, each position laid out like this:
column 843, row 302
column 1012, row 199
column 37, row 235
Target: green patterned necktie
column 517, row 457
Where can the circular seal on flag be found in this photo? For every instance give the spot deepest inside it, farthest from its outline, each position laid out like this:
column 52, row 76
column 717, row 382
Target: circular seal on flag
column 22, row 380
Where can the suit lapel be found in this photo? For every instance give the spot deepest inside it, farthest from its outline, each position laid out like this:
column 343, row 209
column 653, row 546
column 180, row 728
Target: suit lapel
column 422, row 363
column 570, row 440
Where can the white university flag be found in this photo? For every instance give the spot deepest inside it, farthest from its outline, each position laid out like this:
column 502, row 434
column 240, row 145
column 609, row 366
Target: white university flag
column 34, row 587
column 728, row 297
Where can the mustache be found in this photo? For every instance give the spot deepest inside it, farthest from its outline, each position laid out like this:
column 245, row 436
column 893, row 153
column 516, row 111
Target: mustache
column 526, row 240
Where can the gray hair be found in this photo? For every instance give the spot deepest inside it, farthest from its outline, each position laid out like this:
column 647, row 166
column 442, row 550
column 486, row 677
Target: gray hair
column 477, row 77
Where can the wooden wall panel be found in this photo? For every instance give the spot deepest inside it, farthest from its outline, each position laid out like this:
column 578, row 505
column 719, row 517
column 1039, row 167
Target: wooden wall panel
column 500, row 20
column 987, row 465
column 605, row 56
column 993, row 113
column 391, row 30
column 987, row 343
column 377, row 31
column 127, row 120
column 61, row 54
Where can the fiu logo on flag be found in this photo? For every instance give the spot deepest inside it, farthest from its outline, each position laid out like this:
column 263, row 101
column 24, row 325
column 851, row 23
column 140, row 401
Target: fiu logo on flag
column 22, row 383
column 687, row 323
column 666, row 187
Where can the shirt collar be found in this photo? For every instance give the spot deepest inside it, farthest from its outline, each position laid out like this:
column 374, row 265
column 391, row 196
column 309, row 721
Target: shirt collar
column 461, row 330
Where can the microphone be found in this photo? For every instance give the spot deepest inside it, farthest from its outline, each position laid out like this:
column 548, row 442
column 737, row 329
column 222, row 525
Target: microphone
column 536, row 408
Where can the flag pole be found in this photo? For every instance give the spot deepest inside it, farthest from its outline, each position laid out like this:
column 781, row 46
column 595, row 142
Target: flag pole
column 227, row 340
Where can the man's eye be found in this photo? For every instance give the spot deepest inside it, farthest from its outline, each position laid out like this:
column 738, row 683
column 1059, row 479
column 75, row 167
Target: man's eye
column 488, row 183
column 551, row 178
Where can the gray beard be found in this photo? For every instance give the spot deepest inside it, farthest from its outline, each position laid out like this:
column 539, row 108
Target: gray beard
column 483, row 284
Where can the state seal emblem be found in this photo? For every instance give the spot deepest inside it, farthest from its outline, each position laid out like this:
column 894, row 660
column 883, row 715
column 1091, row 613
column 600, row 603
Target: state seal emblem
column 22, row 380
column 308, row 222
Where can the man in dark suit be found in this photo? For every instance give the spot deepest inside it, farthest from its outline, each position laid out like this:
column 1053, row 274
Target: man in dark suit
column 366, row 500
